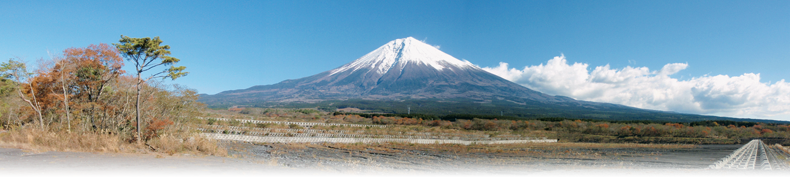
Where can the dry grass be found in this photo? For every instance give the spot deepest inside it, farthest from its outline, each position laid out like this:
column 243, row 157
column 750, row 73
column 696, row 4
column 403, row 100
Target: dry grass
column 194, row 144
column 41, row 141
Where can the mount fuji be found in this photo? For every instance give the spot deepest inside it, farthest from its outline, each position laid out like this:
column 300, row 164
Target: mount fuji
column 402, row 68
column 408, row 72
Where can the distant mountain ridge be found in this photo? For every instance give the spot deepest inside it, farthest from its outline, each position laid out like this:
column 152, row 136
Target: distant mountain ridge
column 410, row 70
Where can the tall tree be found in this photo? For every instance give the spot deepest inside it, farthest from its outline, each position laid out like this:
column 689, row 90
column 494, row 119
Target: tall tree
column 147, row 53
column 63, row 68
column 18, row 71
column 7, row 87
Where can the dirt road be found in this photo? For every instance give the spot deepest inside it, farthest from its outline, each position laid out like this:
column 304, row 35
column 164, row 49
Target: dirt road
column 18, row 163
column 334, row 157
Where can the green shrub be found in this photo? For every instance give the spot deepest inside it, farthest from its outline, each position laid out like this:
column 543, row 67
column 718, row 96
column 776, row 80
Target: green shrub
column 234, row 122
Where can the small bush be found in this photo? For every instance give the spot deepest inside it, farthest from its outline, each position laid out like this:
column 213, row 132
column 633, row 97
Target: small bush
column 262, row 125
column 155, row 127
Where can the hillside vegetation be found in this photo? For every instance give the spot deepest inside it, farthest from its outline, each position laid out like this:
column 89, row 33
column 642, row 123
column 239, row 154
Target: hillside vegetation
column 82, row 100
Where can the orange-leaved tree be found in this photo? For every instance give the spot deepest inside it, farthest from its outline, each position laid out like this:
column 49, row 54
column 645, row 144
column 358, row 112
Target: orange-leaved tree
column 94, row 67
column 83, row 73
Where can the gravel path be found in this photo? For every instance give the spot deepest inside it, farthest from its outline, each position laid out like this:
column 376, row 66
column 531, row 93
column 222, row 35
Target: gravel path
column 662, row 173
column 16, row 162
column 332, row 158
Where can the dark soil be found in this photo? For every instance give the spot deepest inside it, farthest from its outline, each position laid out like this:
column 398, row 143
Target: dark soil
column 394, row 159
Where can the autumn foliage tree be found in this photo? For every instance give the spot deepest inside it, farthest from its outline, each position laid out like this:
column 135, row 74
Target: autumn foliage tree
column 88, row 83
column 82, row 76
column 83, row 100
column 94, row 68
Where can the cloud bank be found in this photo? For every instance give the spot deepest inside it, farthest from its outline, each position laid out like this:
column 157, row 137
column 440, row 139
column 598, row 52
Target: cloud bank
column 737, row 96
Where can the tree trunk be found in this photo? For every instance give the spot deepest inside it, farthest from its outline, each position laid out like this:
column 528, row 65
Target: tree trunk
column 137, row 107
column 66, row 102
column 90, row 116
column 34, row 107
column 65, row 96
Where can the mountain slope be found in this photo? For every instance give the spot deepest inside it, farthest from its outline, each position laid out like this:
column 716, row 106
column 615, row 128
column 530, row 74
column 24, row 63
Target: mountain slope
column 408, row 70
column 403, row 68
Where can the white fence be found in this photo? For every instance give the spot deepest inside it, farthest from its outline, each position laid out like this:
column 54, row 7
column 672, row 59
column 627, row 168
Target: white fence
column 303, row 124
column 269, row 139
column 340, row 136
column 753, row 155
column 338, row 133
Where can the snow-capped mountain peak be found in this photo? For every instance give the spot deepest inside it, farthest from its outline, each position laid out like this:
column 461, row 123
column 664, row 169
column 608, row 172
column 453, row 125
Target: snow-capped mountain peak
column 408, row 71
column 401, row 52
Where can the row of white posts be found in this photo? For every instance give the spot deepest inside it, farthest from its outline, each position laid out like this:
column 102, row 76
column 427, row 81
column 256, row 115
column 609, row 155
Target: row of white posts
column 308, row 124
column 762, row 156
column 750, row 156
column 308, row 133
column 269, row 139
column 303, row 124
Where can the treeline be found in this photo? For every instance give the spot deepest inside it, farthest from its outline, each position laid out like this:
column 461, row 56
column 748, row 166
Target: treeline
column 709, row 132
column 590, row 130
column 85, row 90
column 454, row 117
column 450, row 117
column 567, row 130
column 494, row 108
column 728, row 123
column 370, row 115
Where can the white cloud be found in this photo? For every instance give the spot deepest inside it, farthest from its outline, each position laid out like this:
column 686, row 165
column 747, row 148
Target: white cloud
column 672, row 68
column 738, row 96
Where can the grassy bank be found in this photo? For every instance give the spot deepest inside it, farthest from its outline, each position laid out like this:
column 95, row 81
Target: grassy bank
column 41, row 141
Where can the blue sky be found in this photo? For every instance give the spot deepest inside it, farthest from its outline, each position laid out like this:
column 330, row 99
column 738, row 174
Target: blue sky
column 230, row 45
